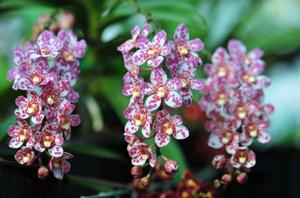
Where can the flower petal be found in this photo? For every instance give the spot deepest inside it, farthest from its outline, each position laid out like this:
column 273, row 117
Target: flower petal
column 251, row 161
column 196, row 45
column 173, row 99
column 158, row 77
column 181, row 132
column 159, row 39
column 214, row 141
column 56, row 151
column 263, row 137
column 131, row 127
column 187, row 96
column 15, row 143
column 174, row 84
column 153, row 102
column 181, row 33
column 155, row 62
column 140, row 57
column 22, row 84
column 198, row 85
column 139, row 161
column 162, row 139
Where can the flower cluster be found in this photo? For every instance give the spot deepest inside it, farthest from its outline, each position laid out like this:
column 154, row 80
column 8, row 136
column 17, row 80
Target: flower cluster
column 46, row 69
column 150, row 99
column 233, row 102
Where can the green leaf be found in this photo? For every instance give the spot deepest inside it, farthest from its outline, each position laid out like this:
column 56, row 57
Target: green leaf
column 90, row 183
column 111, row 88
column 4, row 126
column 273, row 26
column 179, row 12
column 92, row 150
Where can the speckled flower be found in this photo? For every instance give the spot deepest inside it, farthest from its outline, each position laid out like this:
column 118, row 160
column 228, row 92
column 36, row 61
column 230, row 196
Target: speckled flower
column 152, row 52
column 21, row 133
column 166, row 125
column 136, row 33
column 48, row 44
column 140, row 152
column 59, row 165
column 243, row 157
column 25, row 156
column 30, row 107
column 161, row 88
column 183, row 49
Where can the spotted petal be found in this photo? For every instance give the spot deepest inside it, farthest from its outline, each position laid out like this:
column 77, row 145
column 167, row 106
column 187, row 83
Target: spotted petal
column 251, row 161
column 162, row 139
column 153, row 102
column 139, row 161
column 181, row 33
column 56, row 151
column 196, row 45
column 22, row 84
column 181, row 132
column 131, row 127
column 140, row 57
column 15, row 143
column 159, row 39
column 174, row 84
column 173, row 99
column 158, row 77
column 214, row 141
column 263, row 137
column 197, row 84
column 155, row 62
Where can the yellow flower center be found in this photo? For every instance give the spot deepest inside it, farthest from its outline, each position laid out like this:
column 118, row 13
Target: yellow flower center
column 32, row 108
column 222, row 71
column 139, row 119
column 221, row 99
column 182, row 49
column 253, row 131
column 241, row 112
column 152, row 52
column 136, row 91
column 168, row 128
column 161, row 91
column 249, row 78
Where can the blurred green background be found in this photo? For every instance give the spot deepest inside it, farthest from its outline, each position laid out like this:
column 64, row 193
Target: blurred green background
column 273, row 25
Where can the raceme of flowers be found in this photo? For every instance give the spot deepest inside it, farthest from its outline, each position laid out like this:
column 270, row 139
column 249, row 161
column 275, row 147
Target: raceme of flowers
column 233, row 102
column 150, row 125
column 46, row 69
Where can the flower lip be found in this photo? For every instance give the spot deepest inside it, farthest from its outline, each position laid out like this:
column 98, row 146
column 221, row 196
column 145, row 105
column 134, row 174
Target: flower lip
column 32, row 107
column 162, row 91
column 168, row 127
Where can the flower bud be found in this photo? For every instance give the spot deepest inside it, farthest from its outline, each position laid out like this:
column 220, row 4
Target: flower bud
column 43, row 172
column 242, row 178
column 171, row 167
column 136, row 171
column 219, row 161
column 142, row 183
column 226, row 178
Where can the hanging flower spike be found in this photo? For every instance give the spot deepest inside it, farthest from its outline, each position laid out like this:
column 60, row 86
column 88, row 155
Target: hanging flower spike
column 233, row 101
column 153, row 52
column 161, row 88
column 166, row 125
column 135, row 33
column 46, row 70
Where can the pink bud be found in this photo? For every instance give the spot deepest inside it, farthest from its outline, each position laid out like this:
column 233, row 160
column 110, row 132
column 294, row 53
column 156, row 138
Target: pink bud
column 136, row 171
column 171, row 167
column 219, row 161
column 43, row 172
column 242, row 178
